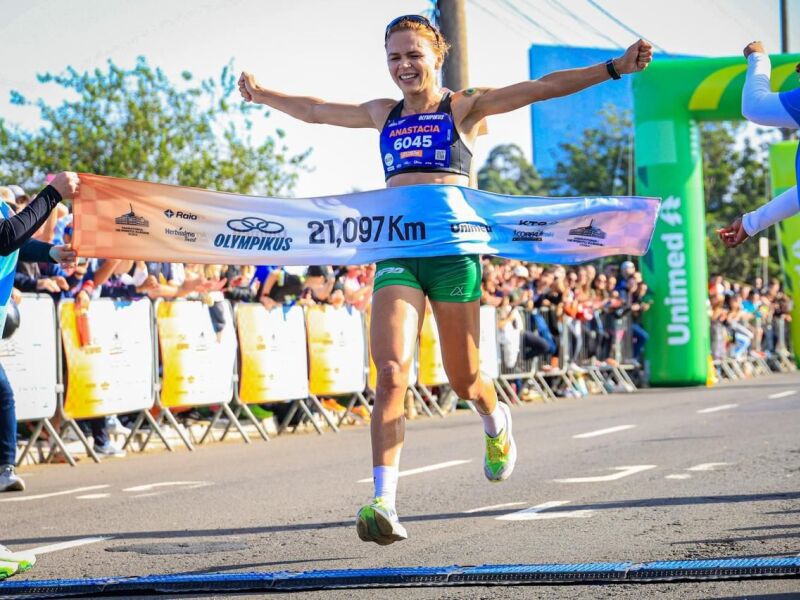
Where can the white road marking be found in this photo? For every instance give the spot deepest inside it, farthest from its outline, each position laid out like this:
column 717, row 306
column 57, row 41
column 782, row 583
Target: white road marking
column 50, row 495
column 492, row 507
column 716, row 408
column 534, row 513
column 151, row 486
column 707, row 466
column 785, row 394
column 92, row 496
column 67, row 545
column 148, row 495
column 678, row 476
column 436, row 467
column 592, row 434
column 622, row 472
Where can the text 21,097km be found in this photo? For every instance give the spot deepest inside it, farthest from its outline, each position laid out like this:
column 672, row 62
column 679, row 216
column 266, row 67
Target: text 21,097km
column 365, row 229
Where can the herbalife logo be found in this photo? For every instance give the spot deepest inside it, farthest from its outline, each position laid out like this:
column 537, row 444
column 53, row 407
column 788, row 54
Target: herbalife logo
column 669, row 212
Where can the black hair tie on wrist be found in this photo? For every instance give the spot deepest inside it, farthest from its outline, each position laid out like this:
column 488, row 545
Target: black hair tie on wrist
column 612, row 70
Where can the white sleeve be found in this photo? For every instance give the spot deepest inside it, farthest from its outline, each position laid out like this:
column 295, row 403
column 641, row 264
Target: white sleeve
column 777, row 209
column 759, row 103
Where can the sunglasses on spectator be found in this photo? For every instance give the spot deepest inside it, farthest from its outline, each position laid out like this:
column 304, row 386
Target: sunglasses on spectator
column 413, row 19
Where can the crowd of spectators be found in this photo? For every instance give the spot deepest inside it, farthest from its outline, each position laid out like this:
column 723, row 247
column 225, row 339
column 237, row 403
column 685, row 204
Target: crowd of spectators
column 742, row 317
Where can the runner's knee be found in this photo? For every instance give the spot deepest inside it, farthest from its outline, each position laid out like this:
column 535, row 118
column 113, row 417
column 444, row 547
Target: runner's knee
column 467, row 388
column 391, row 376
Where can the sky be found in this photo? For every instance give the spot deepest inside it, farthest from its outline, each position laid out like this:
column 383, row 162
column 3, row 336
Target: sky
column 333, row 49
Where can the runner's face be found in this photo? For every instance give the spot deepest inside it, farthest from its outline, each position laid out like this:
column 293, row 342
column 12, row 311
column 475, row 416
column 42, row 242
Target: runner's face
column 412, row 61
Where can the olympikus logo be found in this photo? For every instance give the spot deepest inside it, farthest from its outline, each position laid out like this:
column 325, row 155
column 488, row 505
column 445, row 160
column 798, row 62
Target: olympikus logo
column 470, row 228
column 431, row 117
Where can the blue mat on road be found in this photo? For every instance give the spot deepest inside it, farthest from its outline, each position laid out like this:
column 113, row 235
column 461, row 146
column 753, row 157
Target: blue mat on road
column 285, row 581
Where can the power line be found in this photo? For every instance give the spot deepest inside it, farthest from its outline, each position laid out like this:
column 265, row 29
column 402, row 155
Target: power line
column 514, row 25
column 534, row 23
column 585, row 23
column 623, row 25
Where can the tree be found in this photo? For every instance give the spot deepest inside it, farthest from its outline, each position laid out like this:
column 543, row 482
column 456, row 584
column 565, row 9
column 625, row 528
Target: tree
column 136, row 123
column 736, row 178
column 507, row 171
column 600, row 164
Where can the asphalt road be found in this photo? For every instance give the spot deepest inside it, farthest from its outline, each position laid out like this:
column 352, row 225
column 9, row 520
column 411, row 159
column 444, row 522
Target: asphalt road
column 662, row 474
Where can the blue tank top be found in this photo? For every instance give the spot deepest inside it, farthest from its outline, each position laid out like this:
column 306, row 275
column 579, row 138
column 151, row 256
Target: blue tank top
column 426, row 142
column 791, row 102
column 8, row 268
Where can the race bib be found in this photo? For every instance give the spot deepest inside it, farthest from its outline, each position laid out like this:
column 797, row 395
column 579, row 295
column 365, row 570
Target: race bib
column 417, row 141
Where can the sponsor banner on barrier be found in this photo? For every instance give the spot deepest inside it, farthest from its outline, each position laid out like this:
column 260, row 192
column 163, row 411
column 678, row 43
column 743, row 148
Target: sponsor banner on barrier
column 29, row 359
column 490, row 357
column 431, row 367
column 336, row 349
column 274, row 360
column 197, row 363
column 121, row 218
column 109, row 357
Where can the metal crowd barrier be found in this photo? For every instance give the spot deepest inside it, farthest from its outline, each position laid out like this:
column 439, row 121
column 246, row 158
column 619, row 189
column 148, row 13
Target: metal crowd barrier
column 767, row 348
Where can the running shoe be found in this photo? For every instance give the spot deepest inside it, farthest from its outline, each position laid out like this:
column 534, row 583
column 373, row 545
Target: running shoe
column 110, row 449
column 378, row 523
column 21, row 560
column 501, row 451
column 7, row 569
column 9, row 480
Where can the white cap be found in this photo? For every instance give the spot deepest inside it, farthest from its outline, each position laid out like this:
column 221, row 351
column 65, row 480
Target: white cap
column 17, row 191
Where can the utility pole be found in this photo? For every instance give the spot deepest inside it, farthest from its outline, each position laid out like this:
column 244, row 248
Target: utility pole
column 453, row 25
column 786, row 134
column 784, row 27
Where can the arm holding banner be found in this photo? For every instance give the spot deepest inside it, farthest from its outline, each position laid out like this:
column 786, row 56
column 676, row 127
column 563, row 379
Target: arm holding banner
column 18, row 229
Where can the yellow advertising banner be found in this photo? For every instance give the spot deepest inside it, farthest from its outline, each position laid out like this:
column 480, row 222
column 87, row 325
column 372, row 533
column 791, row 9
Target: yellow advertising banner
column 274, row 360
column 431, row 367
column 112, row 370
column 197, row 363
column 336, row 350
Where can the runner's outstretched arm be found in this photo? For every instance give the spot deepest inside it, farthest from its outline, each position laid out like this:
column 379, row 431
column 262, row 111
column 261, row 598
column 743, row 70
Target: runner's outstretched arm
column 315, row 110
column 492, row 101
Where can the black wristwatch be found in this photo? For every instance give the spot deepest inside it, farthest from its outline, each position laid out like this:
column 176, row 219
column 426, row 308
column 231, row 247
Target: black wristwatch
column 612, row 70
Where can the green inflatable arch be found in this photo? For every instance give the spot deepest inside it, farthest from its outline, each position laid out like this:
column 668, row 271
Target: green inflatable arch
column 670, row 98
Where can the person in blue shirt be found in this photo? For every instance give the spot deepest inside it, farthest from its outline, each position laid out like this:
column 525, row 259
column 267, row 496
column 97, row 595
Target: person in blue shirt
column 16, row 243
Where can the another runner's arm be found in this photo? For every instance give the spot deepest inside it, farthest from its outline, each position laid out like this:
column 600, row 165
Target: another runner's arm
column 759, row 103
column 315, row 110
column 17, row 229
column 559, row 83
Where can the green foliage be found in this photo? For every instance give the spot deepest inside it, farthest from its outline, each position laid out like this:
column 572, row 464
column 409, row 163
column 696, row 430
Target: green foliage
column 136, row 123
column 600, row 163
column 508, row 172
column 736, row 181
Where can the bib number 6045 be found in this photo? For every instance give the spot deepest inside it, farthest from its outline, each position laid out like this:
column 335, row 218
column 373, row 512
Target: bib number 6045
column 413, row 141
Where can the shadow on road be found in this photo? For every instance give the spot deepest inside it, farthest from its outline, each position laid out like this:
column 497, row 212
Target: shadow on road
column 641, row 503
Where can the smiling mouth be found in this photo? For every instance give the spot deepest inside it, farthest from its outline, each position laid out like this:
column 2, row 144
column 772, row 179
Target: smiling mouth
column 407, row 76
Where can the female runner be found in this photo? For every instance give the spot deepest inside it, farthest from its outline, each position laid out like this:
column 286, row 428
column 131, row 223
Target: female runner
column 415, row 50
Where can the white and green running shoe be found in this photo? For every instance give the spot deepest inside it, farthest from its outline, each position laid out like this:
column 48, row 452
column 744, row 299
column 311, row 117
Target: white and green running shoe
column 7, row 569
column 23, row 561
column 501, row 451
column 378, row 523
